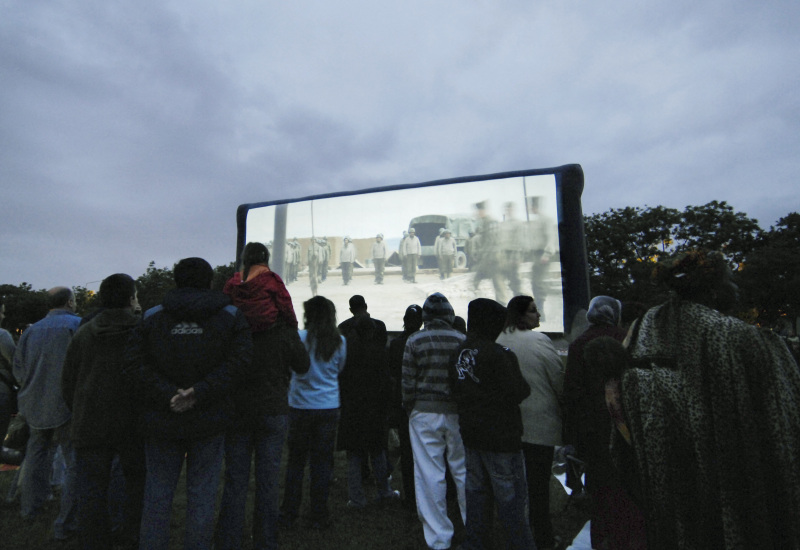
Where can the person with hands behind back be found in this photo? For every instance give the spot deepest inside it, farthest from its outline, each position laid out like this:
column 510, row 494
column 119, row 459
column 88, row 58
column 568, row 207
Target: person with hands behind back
column 185, row 358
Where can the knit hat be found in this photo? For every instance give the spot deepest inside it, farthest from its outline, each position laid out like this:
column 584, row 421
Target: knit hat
column 437, row 307
column 486, row 318
column 604, row 310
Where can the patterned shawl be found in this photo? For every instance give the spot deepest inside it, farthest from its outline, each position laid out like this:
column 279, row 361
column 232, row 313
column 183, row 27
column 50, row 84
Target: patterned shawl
column 712, row 406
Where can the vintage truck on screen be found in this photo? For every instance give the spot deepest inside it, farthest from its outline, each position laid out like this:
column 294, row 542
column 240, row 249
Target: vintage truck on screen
column 427, row 229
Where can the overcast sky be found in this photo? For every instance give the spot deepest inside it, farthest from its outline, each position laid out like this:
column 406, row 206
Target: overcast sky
column 131, row 131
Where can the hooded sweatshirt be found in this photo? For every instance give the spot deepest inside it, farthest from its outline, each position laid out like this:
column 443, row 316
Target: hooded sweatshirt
column 487, row 383
column 195, row 339
column 426, row 359
column 94, row 388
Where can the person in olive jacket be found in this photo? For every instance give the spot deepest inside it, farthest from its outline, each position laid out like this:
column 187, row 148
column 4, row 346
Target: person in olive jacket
column 104, row 414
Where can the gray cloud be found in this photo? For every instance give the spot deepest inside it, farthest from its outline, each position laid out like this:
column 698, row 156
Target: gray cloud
column 131, row 132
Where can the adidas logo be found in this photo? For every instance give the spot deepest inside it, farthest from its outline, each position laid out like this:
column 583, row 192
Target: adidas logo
column 187, row 328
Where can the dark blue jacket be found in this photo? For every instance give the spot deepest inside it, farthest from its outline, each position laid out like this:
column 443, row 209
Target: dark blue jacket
column 194, row 339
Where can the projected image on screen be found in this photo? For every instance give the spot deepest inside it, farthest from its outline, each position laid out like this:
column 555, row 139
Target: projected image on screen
column 493, row 239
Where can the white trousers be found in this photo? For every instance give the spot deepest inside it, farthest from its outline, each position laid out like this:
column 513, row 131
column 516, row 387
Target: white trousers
column 436, row 441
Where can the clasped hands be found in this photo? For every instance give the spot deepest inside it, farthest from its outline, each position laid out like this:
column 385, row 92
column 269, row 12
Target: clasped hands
column 183, row 400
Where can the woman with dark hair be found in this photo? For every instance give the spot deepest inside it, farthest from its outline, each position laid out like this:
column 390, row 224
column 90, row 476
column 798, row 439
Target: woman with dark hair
column 313, row 414
column 261, row 401
column 615, row 520
column 709, row 408
column 541, row 411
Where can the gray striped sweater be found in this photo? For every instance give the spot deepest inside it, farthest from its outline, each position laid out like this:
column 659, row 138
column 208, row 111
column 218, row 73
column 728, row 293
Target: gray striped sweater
column 426, row 360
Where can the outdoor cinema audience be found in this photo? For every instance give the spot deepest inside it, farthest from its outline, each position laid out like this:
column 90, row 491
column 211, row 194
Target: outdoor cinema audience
column 686, row 419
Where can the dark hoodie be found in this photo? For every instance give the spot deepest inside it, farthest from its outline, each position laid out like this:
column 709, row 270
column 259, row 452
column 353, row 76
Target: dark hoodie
column 487, row 383
column 194, row 339
column 92, row 383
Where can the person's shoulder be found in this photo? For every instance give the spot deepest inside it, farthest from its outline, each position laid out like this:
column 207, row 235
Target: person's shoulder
column 84, row 332
column 505, row 353
column 153, row 311
column 63, row 319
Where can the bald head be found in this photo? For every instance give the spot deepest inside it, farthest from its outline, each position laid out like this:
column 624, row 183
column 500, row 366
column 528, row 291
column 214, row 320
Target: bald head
column 61, row 297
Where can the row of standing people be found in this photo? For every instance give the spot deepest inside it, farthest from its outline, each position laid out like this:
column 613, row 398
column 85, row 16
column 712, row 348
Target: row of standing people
column 175, row 381
column 156, row 391
column 483, row 406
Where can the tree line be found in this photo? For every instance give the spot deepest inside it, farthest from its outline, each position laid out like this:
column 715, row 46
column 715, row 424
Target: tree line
column 622, row 244
column 25, row 306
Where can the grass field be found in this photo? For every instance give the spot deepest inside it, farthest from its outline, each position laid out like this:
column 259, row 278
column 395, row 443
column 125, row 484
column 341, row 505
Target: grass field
column 386, row 527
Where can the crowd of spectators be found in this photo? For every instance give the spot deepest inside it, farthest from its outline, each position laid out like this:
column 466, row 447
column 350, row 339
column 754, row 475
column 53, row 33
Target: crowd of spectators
column 686, row 421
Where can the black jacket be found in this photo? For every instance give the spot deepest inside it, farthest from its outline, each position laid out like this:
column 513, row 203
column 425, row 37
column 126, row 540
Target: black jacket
column 488, row 388
column 487, row 383
column 194, row 339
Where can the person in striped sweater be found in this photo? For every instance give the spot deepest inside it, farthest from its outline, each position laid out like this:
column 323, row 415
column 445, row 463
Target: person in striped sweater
column 433, row 419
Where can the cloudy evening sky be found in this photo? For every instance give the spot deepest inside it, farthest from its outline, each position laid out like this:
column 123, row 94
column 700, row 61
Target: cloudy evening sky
column 131, row 131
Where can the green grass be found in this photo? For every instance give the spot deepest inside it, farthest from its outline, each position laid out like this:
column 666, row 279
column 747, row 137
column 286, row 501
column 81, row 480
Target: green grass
column 386, row 527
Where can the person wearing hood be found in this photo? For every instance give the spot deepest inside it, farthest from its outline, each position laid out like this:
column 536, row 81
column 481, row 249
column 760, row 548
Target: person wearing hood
column 488, row 388
column 186, row 356
column 433, row 418
column 104, row 414
column 261, row 401
column 587, row 425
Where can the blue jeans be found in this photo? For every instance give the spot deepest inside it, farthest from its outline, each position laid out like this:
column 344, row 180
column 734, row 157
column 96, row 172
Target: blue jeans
column 355, row 487
column 504, row 475
column 164, row 459
column 36, row 481
column 312, row 434
column 267, row 443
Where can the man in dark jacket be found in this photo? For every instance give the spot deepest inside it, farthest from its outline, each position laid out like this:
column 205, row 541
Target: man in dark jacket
column 185, row 356
column 358, row 307
column 488, row 388
column 104, row 414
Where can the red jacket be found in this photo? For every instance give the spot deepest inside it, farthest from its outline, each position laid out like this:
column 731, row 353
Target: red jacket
column 262, row 298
